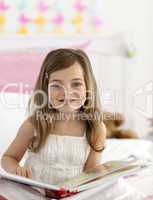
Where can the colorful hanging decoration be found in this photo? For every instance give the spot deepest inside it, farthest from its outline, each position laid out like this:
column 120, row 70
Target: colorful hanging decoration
column 3, row 6
column 49, row 17
column 78, row 22
column 80, row 6
column 58, row 22
column 23, row 20
column 3, row 19
column 40, row 22
column 97, row 23
column 42, row 6
column 22, row 5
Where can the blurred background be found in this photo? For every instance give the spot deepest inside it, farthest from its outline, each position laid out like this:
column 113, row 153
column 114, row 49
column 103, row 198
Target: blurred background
column 117, row 36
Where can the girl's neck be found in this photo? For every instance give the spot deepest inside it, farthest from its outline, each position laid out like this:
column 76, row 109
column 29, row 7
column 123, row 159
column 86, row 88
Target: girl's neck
column 67, row 117
column 70, row 126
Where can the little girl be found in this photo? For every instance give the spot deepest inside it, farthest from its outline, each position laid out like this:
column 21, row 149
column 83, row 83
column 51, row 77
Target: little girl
column 64, row 133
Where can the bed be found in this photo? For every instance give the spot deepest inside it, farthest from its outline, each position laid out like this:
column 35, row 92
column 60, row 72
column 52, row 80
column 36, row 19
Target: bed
column 139, row 186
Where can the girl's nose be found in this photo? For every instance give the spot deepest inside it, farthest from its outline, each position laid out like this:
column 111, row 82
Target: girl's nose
column 72, row 93
column 68, row 90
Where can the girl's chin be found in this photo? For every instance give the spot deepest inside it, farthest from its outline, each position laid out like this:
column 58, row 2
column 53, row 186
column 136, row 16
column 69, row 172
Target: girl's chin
column 68, row 110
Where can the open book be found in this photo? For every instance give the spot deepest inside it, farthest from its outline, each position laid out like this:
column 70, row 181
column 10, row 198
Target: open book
column 102, row 175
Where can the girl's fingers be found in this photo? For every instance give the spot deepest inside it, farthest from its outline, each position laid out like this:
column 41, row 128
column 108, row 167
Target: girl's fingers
column 23, row 171
column 18, row 171
column 50, row 194
column 29, row 172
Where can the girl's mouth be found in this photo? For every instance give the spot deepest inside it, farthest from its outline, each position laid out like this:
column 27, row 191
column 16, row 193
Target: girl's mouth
column 63, row 100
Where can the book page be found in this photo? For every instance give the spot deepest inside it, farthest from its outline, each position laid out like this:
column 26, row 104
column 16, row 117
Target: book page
column 110, row 179
column 27, row 181
column 95, row 173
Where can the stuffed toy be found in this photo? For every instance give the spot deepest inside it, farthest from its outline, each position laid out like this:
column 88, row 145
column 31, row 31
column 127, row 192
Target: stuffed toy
column 113, row 123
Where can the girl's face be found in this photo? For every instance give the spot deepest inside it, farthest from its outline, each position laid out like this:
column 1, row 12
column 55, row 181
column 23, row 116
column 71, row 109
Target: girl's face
column 66, row 89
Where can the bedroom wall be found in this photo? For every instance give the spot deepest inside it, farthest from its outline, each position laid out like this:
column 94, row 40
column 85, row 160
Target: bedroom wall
column 136, row 17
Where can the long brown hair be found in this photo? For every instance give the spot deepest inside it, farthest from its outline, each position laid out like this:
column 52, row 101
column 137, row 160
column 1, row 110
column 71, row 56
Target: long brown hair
column 57, row 60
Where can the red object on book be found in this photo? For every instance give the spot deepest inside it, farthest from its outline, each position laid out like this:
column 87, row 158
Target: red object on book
column 65, row 193
column 2, row 198
column 60, row 193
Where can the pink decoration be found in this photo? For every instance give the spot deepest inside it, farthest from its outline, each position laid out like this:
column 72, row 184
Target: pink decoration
column 24, row 19
column 79, row 6
column 3, row 6
column 97, row 21
column 58, row 20
column 42, row 6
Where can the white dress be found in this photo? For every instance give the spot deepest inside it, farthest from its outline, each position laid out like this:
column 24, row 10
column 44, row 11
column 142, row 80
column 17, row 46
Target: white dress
column 61, row 158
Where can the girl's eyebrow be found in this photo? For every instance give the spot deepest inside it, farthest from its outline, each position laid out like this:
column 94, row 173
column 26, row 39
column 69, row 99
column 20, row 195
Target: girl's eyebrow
column 57, row 80
column 77, row 79
column 74, row 79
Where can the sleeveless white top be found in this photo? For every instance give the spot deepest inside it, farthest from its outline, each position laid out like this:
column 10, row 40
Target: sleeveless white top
column 61, row 158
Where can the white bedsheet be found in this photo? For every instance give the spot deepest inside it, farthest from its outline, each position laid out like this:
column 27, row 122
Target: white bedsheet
column 143, row 182
column 115, row 149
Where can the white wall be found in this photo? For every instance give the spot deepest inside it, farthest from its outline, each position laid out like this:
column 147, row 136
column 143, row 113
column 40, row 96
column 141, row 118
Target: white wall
column 135, row 16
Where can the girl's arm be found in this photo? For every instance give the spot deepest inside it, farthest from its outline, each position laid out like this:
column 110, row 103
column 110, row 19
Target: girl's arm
column 94, row 157
column 13, row 155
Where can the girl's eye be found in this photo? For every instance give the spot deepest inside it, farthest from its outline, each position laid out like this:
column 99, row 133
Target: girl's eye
column 55, row 86
column 77, row 84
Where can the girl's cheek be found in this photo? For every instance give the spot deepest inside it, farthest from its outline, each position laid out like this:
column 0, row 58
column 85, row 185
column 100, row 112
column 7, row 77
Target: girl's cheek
column 80, row 94
column 83, row 94
column 55, row 93
column 53, row 98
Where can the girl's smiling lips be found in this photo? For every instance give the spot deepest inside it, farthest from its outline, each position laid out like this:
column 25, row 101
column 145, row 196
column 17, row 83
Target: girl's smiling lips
column 73, row 99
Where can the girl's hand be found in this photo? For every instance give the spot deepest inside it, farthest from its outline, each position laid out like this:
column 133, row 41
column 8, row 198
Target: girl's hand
column 50, row 194
column 23, row 171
